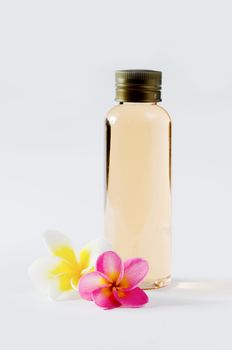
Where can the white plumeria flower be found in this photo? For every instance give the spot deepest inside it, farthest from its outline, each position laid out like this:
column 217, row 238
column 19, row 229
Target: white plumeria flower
column 57, row 276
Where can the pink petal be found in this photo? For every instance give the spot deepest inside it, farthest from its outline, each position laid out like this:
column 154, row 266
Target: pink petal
column 104, row 298
column 90, row 282
column 132, row 298
column 110, row 264
column 134, row 272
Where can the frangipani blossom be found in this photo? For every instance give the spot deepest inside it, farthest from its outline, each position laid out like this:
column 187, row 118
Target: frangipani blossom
column 58, row 274
column 115, row 284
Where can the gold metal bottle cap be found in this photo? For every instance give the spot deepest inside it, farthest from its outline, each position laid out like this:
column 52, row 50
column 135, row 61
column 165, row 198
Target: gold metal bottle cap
column 135, row 85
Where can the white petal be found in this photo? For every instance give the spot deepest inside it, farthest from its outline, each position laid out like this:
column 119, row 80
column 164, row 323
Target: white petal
column 74, row 284
column 54, row 292
column 95, row 248
column 39, row 272
column 55, row 239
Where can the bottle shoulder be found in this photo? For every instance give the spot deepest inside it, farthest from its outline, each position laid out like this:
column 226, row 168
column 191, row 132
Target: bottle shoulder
column 137, row 111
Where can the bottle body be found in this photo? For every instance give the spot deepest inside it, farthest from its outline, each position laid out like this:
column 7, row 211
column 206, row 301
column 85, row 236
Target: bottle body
column 138, row 186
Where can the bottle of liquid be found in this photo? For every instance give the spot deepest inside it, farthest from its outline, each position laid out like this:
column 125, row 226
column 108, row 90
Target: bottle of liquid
column 138, row 174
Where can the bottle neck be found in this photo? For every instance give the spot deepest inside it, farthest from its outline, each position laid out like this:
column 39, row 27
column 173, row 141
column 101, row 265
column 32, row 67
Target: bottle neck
column 138, row 103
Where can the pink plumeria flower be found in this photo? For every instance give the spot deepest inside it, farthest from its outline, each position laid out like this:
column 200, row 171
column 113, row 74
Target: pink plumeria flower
column 115, row 283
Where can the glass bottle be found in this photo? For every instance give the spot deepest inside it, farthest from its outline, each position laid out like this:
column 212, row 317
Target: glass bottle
column 138, row 174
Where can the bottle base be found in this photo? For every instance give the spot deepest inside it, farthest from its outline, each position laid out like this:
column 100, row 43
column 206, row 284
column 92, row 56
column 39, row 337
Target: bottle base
column 159, row 283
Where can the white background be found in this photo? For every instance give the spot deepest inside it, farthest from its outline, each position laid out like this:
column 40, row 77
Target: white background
column 57, row 63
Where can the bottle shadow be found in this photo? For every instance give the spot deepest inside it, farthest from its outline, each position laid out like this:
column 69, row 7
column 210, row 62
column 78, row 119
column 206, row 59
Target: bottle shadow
column 192, row 292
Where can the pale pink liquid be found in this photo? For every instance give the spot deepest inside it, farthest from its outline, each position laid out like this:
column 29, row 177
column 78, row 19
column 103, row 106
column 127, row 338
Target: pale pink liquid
column 138, row 184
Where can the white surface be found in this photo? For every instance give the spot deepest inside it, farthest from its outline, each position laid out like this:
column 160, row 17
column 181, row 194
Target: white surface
column 57, row 60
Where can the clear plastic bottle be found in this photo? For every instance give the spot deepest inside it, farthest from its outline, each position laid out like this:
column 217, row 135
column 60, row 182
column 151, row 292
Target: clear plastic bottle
column 138, row 174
